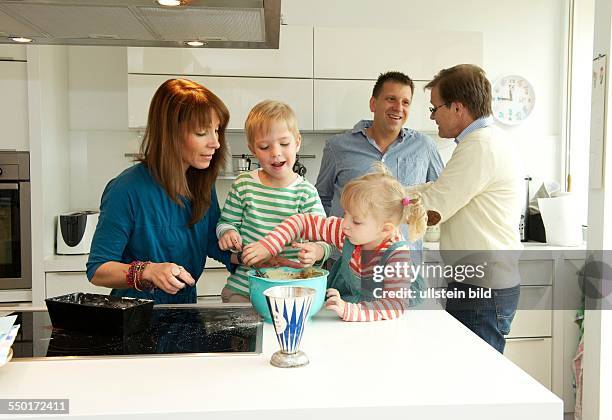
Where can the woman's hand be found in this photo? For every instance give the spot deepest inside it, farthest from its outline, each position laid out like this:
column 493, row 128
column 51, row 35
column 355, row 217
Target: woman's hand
column 231, row 239
column 255, row 253
column 335, row 302
column 310, row 252
column 168, row 277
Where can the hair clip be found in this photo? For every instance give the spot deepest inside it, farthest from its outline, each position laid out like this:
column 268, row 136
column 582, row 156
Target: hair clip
column 406, row 201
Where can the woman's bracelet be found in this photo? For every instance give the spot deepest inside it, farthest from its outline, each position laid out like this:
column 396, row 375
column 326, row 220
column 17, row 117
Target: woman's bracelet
column 134, row 278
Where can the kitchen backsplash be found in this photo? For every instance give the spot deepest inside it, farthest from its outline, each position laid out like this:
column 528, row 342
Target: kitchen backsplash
column 97, row 156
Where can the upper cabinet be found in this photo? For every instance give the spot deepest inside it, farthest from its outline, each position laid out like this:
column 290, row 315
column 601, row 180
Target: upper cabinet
column 339, row 104
column 293, row 59
column 325, row 74
column 14, row 105
column 358, row 53
column 239, row 94
column 241, row 78
column 12, row 52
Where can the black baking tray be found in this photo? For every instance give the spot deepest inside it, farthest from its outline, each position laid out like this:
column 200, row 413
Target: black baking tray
column 100, row 314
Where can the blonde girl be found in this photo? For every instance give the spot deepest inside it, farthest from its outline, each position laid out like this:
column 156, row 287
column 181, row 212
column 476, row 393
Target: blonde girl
column 371, row 243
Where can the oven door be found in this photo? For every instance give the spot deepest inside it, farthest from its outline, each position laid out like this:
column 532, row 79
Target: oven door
column 15, row 252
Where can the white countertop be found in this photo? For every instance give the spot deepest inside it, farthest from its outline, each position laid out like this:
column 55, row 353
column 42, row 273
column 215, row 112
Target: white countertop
column 423, row 366
column 528, row 246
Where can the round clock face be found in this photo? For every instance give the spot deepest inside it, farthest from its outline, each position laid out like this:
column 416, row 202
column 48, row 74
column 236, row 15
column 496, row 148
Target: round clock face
column 513, row 99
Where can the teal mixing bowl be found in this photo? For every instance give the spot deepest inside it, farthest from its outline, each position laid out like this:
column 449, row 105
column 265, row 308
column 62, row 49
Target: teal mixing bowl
column 257, row 285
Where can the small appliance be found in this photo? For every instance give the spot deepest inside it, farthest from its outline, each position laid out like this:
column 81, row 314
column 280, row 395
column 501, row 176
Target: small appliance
column 524, row 223
column 75, row 232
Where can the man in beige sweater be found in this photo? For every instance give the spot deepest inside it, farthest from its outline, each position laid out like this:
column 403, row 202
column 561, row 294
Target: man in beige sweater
column 477, row 200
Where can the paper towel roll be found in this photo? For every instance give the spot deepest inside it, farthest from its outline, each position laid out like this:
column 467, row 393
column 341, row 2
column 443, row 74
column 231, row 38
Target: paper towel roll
column 561, row 220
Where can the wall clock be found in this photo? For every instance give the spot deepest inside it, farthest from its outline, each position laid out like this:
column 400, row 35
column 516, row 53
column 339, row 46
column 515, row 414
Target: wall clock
column 513, row 99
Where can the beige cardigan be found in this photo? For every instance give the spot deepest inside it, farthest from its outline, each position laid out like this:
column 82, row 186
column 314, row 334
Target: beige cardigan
column 478, row 196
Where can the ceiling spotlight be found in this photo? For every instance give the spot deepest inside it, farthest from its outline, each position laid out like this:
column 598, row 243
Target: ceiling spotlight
column 21, row 39
column 195, row 43
column 169, row 2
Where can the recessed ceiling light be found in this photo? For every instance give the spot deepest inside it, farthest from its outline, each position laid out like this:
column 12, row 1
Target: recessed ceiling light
column 169, row 2
column 21, row 39
column 195, row 43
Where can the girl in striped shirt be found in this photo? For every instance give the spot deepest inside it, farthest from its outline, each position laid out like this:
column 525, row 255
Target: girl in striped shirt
column 373, row 280
column 261, row 199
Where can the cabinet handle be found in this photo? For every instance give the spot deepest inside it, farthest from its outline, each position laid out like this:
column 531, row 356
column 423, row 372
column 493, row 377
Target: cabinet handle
column 516, row 340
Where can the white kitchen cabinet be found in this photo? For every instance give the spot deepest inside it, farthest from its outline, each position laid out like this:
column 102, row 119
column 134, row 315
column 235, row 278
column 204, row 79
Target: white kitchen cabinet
column 14, row 105
column 61, row 283
column 536, row 272
column 13, row 52
column 239, row 94
column 536, row 321
column 533, row 355
column 358, row 53
column 293, row 58
column 339, row 104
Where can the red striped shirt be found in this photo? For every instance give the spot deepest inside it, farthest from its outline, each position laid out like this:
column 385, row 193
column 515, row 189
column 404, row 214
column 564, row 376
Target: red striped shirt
column 318, row 228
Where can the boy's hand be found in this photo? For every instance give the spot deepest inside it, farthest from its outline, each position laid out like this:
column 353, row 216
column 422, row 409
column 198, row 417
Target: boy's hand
column 255, row 253
column 231, row 239
column 335, row 302
column 310, row 252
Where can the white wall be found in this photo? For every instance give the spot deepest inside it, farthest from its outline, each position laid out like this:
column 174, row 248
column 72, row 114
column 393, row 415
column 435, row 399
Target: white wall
column 526, row 39
column 580, row 106
column 49, row 152
column 13, row 98
column 98, row 135
column 598, row 323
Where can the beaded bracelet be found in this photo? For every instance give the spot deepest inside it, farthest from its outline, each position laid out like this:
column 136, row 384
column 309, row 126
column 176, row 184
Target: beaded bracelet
column 134, row 276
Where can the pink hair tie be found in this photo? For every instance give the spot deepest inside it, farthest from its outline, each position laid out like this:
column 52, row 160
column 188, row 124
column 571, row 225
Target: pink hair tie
column 406, row 201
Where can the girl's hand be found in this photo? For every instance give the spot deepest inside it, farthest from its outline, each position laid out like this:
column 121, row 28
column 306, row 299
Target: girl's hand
column 255, row 253
column 335, row 302
column 231, row 239
column 168, row 277
column 310, row 252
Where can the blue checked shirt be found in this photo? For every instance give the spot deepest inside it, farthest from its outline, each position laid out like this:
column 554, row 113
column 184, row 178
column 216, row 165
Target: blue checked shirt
column 412, row 158
column 475, row 125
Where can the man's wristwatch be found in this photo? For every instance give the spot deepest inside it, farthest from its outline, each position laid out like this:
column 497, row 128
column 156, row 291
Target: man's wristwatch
column 239, row 257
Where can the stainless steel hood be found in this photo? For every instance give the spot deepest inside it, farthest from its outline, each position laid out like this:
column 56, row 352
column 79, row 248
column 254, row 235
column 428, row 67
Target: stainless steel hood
column 142, row 23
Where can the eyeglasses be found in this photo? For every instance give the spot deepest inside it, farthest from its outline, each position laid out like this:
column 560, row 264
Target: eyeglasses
column 433, row 109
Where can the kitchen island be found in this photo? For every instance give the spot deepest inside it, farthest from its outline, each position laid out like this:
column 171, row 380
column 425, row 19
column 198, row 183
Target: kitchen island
column 423, row 366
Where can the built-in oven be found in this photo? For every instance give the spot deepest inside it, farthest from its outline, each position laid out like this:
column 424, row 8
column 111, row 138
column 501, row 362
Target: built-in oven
column 15, row 221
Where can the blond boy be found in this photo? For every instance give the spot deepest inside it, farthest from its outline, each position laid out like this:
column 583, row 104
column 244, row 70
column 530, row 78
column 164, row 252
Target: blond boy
column 262, row 198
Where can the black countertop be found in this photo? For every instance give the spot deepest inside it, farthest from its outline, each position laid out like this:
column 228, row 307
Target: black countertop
column 172, row 330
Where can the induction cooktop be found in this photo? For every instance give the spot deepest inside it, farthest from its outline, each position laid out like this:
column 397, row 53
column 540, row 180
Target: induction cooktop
column 177, row 329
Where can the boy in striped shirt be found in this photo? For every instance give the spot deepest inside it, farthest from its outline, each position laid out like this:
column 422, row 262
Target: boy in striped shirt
column 261, row 199
column 371, row 243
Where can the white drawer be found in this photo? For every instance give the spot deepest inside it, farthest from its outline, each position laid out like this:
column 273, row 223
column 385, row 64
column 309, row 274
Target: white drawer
column 535, row 322
column 62, row 283
column 536, row 272
column 533, row 355
column 212, row 281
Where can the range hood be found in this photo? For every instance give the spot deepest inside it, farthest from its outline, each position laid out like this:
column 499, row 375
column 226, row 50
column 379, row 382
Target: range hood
column 142, row 23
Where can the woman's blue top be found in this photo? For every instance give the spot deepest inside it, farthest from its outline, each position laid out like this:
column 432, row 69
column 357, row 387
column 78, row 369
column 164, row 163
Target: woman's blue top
column 139, row 221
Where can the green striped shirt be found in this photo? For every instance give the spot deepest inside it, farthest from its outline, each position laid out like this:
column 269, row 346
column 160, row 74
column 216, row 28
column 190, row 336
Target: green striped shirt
column 254, row 210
